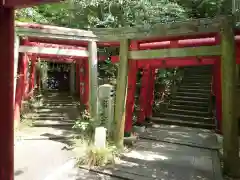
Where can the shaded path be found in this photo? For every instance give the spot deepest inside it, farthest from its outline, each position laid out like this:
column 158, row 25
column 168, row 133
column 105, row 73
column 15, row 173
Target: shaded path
column 170, row 153
column 155, row 159
column 162, row 152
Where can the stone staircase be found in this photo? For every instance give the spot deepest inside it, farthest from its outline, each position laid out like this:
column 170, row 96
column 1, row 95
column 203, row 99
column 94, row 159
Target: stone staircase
column 56, row 111
column 190, row 105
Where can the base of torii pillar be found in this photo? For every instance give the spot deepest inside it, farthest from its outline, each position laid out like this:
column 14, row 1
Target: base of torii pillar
column 6, row 93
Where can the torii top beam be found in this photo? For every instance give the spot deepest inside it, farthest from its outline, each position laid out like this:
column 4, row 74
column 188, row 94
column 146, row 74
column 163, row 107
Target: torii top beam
column 157, row 32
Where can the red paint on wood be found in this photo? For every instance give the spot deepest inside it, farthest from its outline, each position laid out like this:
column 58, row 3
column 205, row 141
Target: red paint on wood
column 238, row 53
column 26, row 76
column 176, row 62
column 218, row 93
column 60, row 46
column 38, row 80
column 82, row 81
column 32, row 74
column 72, row 42
column 66, row 59
column 143, row 94
column 115, row 59
column 54, row 58
column 150, row 95
column 6, row 93
column 172, row 62
column 132, row 80
column 179, row 43
column 174, row 38
column 77, row 77
column 86, row 84
column 20, row 88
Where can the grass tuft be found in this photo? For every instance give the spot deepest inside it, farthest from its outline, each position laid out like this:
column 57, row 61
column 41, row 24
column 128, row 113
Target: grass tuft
column 90, row 155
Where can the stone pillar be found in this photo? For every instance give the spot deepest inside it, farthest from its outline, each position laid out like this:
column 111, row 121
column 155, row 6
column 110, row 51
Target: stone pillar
column 44, row 74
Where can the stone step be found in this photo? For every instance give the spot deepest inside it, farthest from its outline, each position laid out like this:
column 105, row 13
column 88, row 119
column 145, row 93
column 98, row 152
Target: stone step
column 199, row 67
column 169, row 121
column 42, row 118
column 194, row 87
column 199, row 76
column 190, row 103
column 202, row 74
column 59, row 100
column 191, row 69
column 194, row 90
column 193, row 84
column 191, row 98
column 193, row 94
column 43, row 111
column 189, row 107
column 194, row 80
column 198, row 72
column 201, row 79
column 187, row 117
column 57, row 96
column 57, row 105
column 49, row 114
column 51, row 123
column 189, row 112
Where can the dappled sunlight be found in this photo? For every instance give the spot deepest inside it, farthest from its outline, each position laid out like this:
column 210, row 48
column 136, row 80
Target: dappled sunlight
column 147, row 159
column 182, row 135
column 146, row 155
column 126, row 163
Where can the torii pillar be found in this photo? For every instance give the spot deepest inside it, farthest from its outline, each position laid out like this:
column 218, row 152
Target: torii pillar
column 6, row 92
column 6, row 83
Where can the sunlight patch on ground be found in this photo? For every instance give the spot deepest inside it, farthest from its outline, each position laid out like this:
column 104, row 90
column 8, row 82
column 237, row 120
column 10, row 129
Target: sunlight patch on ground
column 204, row 136
column 145, row 155
column 127, row 163
column 45, row 110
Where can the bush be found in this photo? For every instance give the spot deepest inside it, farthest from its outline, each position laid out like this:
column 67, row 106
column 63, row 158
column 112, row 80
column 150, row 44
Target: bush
column 90, row 155
column 85, row 125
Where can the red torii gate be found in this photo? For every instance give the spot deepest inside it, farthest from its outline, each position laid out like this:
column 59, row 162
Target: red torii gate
column 6, row 82
column 149, row 66
column 31, row 51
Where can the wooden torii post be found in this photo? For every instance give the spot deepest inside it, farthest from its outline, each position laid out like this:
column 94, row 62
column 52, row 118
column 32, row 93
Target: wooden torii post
column 6, row 82
column 230, row 123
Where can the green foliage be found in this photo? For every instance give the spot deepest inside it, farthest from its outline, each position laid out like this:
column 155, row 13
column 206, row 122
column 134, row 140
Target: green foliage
column 30, row 15
column 85, row 125
column 117, row 13
column 88, row 154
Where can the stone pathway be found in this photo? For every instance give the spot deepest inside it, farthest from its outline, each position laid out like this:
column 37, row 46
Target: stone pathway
column 49, row 160
column 170, row 153
column 161, row 153
column 35, row 159
column 201, row 138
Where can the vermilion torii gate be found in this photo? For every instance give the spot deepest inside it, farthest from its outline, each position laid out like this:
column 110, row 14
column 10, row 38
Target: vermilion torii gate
column 132, row 56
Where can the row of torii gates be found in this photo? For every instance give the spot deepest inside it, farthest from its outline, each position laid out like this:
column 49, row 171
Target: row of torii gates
column 191, row 43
